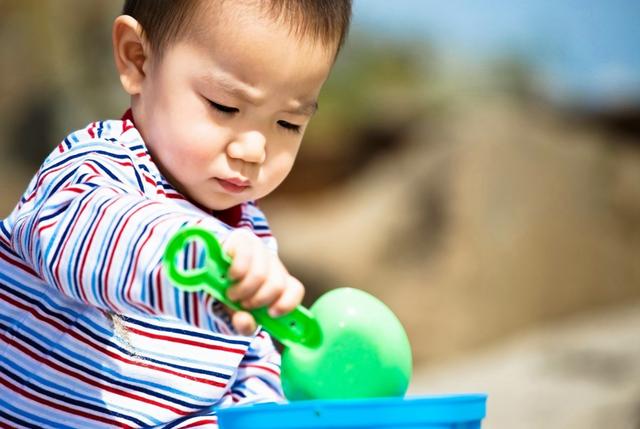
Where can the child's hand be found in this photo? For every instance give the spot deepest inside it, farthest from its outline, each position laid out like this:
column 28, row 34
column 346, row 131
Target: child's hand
column 261, row 280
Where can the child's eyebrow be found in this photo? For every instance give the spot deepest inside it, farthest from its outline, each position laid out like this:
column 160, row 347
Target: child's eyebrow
column 306, row 109
column 238, row 89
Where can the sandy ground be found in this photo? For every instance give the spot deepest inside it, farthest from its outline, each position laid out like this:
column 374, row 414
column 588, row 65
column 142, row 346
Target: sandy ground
column 581, row 374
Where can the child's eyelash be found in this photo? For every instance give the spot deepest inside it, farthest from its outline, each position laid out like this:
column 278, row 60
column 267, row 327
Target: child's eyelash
column 289, row 126
column 224, row 109
column 231, row 110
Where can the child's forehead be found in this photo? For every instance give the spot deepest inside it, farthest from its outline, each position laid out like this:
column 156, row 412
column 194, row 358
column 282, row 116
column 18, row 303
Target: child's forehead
column 213, row 20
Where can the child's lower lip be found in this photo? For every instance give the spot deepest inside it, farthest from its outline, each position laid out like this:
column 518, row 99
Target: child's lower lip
column 231, row 187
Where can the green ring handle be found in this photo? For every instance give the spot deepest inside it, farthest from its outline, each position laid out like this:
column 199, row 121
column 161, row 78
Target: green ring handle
column 297, row 327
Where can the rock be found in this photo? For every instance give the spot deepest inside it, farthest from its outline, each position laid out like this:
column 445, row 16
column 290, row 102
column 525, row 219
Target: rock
column 582, row 373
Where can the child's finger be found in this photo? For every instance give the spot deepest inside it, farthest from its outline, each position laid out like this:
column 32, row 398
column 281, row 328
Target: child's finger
column 243, row 322
column 253, row 279
column 241, row 261
column 269, row 292
column 291, row 297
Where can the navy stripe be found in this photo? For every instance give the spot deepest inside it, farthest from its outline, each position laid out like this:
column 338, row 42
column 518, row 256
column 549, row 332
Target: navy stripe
column 19, row 422
column 61, row 182
column 68, row 321
column 53, row 214
column 189, row 332
column 63, row 236
column 23, row 339
column 85, row 237
column 71, row 156
column 66, row 399
column 130, row 270
column 105, row 169
column 203, row 412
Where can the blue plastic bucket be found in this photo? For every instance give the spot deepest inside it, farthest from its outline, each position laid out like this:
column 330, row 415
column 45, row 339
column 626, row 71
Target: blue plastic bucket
column 427, row 412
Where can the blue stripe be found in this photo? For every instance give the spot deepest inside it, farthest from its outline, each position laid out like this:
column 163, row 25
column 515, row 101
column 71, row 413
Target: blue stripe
column 101, row 283
column 103, row 373
column 68, row 398
column 97, row 288
column 74, row 275
column 191, row 333
column 132, row 252
column 60, row 237
column 105, row 169
column 91, row 329
column 20, row 423
column 60, row 182
column 205, row 412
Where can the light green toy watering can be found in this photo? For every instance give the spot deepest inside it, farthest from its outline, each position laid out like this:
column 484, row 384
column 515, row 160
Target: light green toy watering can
column 348, row 345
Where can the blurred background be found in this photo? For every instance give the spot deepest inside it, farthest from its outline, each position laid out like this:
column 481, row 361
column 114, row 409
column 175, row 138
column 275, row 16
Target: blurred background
column 475, row 164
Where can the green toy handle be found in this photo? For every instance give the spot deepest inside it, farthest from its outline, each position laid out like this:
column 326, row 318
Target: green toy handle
column 297, row 327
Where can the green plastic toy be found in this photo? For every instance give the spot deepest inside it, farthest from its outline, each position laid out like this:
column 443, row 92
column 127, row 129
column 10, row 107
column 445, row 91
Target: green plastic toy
column 348, row 345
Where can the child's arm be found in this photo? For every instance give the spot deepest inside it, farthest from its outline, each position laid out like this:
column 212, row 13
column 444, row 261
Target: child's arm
column 90, row 229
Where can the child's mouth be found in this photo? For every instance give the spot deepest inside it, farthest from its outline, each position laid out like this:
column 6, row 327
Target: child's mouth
column 233, row 185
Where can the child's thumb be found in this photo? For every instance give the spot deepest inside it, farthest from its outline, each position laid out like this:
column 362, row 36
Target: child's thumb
column 243, row 322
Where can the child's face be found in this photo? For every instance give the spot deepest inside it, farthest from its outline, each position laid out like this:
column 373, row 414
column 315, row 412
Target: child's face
column 223, row 113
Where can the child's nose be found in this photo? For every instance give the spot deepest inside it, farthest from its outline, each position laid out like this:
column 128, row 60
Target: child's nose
column 248, row 147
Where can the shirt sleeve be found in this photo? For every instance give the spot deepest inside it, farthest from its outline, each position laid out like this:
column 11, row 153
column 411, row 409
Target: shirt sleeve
column 258, row 376
column 89, row 226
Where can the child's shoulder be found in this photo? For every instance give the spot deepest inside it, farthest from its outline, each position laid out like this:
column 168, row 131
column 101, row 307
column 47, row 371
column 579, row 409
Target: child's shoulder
column 112, row 138
column 111, row 132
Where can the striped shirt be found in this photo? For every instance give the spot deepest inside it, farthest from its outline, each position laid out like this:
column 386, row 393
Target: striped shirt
column 92, row 333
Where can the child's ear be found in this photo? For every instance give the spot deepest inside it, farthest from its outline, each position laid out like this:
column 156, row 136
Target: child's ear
column 130, row 52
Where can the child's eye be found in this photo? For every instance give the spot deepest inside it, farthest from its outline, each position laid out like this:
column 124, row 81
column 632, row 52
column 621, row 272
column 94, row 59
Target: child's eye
column 224, row 109
column 289, row 126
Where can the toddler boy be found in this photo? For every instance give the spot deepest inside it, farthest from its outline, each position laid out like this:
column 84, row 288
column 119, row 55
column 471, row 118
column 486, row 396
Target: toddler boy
column 92, row 332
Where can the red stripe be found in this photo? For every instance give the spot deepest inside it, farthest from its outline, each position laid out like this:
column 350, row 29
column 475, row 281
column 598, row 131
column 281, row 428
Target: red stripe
column 129, row 287
column 62, row 248
column 194, row 296
column 200, row 423
column 41, row 179
column 72, row 189
column 184, row 341
column 96, row 384
column 195, row 309
column 93, row 234
column 264, row 368
column 126, row 126
column 73, row 411
column 45, row 227
column 69, row 372
column 104, row 351
column 115, row 246
column 149, row 180
column 159, row 290
column 18, row 264
column 88, row 164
